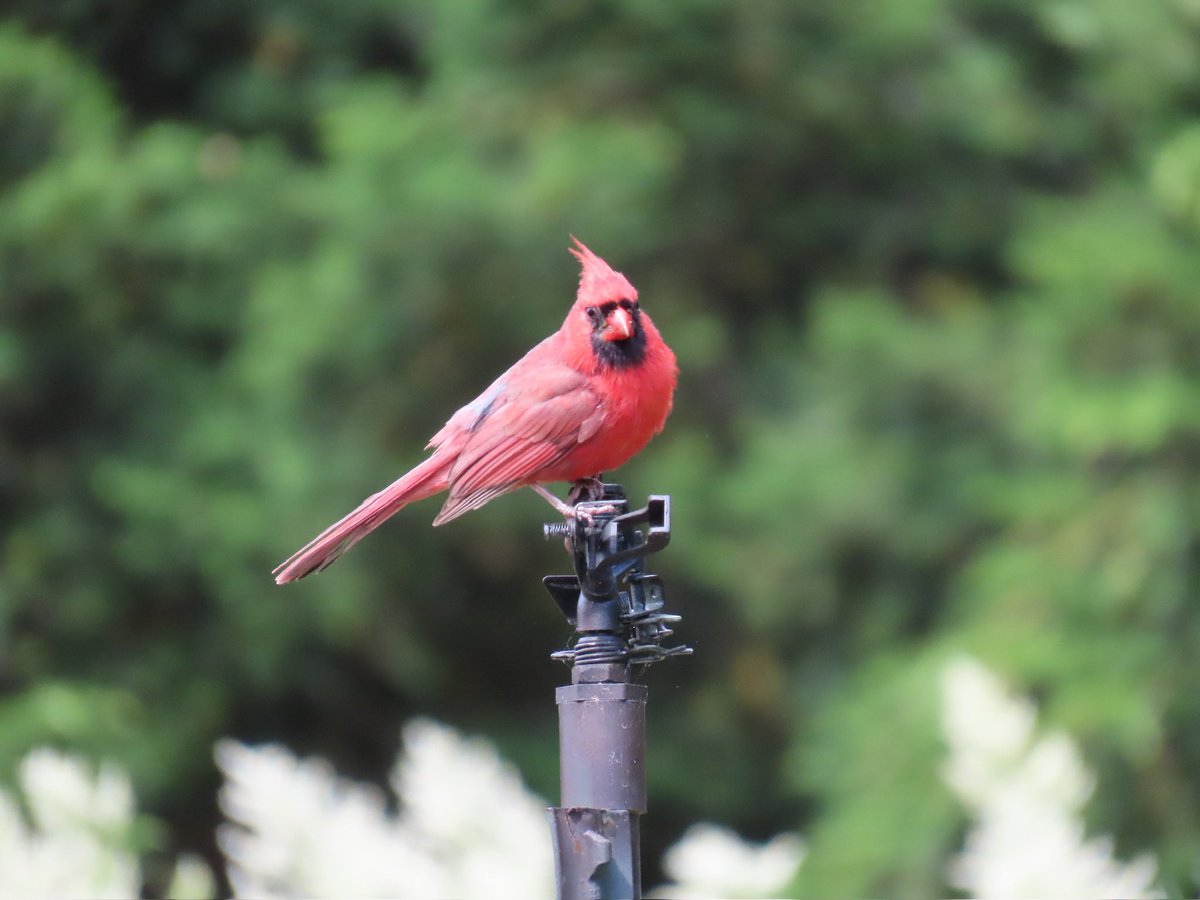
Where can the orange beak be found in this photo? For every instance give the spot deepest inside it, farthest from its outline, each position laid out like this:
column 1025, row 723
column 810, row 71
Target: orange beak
column 620, row 325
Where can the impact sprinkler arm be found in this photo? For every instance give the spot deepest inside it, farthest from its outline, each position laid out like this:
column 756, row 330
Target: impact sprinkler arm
column 616, row 608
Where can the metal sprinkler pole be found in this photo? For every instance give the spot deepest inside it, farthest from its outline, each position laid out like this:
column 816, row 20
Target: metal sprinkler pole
column 616, row 608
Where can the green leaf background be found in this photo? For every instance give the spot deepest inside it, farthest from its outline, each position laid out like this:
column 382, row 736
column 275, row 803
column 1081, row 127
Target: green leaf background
column 930, row 269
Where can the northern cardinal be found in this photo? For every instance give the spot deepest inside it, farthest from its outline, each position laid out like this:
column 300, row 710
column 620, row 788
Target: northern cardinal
column 580, row 403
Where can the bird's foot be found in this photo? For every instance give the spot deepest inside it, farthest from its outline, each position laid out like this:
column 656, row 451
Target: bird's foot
column 589, row 514
column 570, row 510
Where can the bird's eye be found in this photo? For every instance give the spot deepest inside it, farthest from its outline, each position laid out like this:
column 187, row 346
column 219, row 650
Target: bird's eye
column 593, row 313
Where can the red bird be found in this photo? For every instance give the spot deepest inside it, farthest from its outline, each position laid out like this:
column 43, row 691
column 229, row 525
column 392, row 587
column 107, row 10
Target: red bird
column 581, row 402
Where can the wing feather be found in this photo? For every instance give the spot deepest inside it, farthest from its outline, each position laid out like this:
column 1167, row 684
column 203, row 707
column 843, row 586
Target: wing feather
column 456, row 506
column 492, row 465
column 531, row 424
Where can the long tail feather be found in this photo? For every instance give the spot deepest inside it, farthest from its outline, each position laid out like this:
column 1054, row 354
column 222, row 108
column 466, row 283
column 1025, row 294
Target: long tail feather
column 426, row 479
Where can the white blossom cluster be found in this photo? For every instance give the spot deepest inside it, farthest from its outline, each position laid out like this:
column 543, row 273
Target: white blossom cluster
column 465, row 826
column 1026, row 795
column 76, row 840
column 712, row 861
column 458, row 822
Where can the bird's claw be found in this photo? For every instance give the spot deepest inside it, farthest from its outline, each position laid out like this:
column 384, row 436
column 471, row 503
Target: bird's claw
column 584, row 509
column 588, row 514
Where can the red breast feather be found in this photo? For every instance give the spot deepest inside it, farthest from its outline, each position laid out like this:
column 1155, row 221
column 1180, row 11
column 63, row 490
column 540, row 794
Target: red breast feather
column 633, row 402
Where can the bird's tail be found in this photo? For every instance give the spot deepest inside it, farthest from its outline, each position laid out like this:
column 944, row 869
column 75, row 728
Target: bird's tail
column 426, row 479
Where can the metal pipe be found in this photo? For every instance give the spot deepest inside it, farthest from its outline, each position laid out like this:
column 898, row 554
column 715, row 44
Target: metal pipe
column 602, row 747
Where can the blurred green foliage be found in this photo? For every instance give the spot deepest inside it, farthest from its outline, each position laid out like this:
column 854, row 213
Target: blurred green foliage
column 931, row 272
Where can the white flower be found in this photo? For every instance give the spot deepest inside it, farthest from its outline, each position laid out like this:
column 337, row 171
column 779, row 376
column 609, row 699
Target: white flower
column 62, row 794
column 712, row 861
column 306, row 832
column 1026, row 795
column 466, row 826
column 72, row 847
column 987, row 730
column 75, row 844
column 464, row 797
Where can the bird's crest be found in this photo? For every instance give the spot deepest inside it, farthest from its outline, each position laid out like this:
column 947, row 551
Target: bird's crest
column 598, row 281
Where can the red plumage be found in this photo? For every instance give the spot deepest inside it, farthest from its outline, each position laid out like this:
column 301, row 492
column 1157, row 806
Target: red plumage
column 580, row 403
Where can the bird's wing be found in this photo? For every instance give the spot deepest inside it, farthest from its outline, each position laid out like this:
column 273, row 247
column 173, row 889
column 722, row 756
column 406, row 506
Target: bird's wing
column 535, row 418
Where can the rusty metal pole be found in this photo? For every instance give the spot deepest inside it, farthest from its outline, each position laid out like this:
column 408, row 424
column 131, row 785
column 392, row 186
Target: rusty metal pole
column 616, row 608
